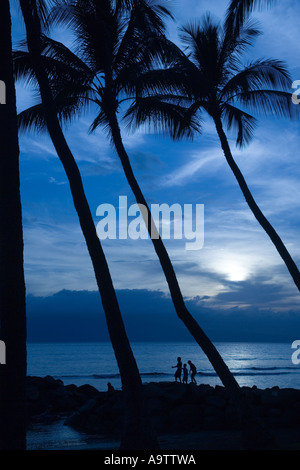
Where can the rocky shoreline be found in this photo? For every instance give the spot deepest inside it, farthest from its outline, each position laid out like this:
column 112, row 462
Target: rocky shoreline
column 174, row 408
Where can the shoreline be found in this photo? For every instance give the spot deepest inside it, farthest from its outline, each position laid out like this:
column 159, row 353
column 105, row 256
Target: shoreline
column 194, row 417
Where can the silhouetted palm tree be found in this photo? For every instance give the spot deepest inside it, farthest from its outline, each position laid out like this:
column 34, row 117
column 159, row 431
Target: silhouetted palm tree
column 115, row 52
column 211, row 77
column 137, row 434
column 12, row 284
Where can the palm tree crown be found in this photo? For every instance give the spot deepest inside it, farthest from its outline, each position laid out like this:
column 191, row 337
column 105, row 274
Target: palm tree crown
column 116, row 42
column 210, row 76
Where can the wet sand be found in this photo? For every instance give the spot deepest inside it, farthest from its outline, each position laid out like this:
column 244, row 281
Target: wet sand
column 57, row 436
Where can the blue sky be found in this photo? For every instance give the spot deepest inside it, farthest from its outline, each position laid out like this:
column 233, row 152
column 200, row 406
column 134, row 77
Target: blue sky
column 238, row 267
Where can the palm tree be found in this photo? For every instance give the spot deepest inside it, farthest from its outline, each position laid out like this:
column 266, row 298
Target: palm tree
column 211, row 77
column 115, row 52
column 12, row 284
column 137, row 433
column 115, row 60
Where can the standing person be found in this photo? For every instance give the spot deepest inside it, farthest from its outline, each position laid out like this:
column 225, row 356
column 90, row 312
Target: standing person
column 178, row 367
column 193, row 372
column 185, row 374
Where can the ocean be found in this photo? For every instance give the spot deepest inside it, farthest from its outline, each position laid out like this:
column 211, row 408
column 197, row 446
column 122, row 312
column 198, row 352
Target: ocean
column 262, row 364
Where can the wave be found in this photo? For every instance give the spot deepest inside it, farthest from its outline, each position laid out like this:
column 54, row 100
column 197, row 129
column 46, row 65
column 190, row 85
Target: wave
column 244, row 374
column 247, row 371
column 111, row 376
column 268, row 368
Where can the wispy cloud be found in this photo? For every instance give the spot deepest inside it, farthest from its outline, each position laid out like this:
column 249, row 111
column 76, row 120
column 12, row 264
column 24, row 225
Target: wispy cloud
column 205, row 161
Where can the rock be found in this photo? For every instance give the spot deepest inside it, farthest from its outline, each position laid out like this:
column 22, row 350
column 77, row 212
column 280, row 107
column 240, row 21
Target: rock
column 215, row 401
column 274, row 415
column 88, row 406
column 270, row 398
column 51, row 383
column 71, row 387
column 88, row 391
column 173, row 407
column 64, row 402
column 75, row 420
column 289, row 418
column 156, row 406
column 32, row 392
column 196, row 394
column 160, row 423
column 153, row 390
column 231, row 417
column 185, row 417
column 174, row 392
column 212, row 423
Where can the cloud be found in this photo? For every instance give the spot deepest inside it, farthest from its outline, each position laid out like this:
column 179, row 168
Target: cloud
column 55, row 255
column 203, row 160
column 150, row 316
column 37, row 147
column 53, row 180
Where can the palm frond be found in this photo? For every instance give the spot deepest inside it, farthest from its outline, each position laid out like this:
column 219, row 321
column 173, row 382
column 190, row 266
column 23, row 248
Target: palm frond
column 158, row 82
column 238, row 12
column 235, row 45
column 58, row 51
column 32, row 119
column 69, row 78
column 23, row 68
column 163, row 117
column 101, row 120
column 67, row 108
column 153, row 12
column 240, row 121
column 269, row 103
column 202, row 40
column 43, row 8
column 262, row 73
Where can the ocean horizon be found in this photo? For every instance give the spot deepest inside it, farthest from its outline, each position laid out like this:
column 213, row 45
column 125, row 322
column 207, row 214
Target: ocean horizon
column 264, row 365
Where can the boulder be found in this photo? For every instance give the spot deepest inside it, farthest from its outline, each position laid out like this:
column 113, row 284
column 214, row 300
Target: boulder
column 173, row 407
column 156, row 406
column 88, row 391
column 174, row 393
column 216, row 401
column 185, row 418
column 32, row 392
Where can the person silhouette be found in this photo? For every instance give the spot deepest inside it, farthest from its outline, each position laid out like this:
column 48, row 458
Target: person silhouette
column 110, row 388
column 185, row 374
column 178, row 367
column 193, row 372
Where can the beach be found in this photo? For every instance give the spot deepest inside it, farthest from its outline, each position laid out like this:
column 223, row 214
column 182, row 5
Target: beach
column 183, row 416
column 67, row 384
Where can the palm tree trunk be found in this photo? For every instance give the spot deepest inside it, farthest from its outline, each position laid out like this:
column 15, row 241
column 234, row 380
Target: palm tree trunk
column 255, row 434
column 198, row 334
column 137, row 433
column 12, row 284
column 265, row 224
